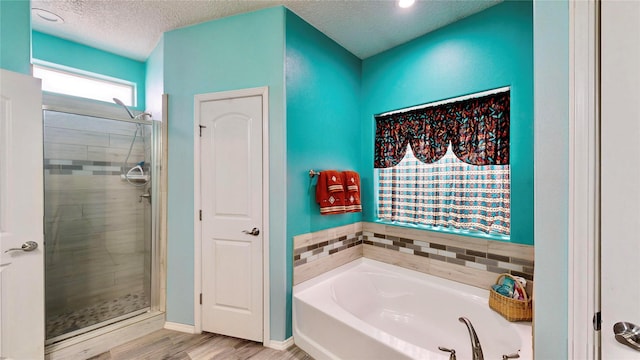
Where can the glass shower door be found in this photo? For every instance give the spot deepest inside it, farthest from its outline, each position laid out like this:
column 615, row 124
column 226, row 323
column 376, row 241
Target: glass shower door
column 98, row 227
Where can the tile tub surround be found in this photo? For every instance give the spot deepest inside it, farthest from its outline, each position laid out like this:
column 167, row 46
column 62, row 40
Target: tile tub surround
column 464, row 259
column 468, row 260
column 321, row 251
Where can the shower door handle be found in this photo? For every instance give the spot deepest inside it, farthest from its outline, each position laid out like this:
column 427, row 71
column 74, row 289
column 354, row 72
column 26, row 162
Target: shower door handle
column 254, row 232
column 146, row 196
column 28, row 246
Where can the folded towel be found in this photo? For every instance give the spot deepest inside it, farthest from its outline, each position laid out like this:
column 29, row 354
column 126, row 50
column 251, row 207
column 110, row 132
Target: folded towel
column 334, row 181
column 330, row 193
column 352, row 196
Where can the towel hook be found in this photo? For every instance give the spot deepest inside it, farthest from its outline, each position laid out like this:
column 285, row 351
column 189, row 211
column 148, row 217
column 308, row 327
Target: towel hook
column 313, row 173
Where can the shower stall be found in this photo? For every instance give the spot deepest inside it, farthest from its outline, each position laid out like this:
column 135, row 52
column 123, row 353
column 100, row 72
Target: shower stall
column 100, row 186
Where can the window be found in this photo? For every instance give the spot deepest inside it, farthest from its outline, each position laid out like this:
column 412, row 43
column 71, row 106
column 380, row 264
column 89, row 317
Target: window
column 86, row 86
column 446, row 164
column 447, row 193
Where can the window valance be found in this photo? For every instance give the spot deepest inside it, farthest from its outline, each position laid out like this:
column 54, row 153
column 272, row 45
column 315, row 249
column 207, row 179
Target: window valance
column 477, row 128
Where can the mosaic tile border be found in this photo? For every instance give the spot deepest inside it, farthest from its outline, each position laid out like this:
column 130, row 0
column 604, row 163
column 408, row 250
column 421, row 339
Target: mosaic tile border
column 468, row 260
column 81, row 167
column 321, row 251
column 309, row 253
column 485, row 261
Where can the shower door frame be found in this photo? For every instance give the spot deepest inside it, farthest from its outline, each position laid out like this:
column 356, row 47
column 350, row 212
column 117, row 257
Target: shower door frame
column 157, row 298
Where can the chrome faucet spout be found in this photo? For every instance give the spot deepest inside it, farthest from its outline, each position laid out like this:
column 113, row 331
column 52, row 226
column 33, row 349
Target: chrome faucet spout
column 476, row 349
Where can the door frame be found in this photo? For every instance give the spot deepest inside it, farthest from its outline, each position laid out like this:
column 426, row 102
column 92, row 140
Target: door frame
column 21, row 217
column 197, row 224
column 584, row 180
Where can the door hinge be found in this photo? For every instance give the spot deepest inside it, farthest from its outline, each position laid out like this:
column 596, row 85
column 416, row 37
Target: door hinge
column 201, row 127
column 597, row 321
column 200, row 215
column 200, row 298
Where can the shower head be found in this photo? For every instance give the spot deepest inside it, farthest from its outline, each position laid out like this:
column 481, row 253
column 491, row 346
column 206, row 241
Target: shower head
column 119, row 102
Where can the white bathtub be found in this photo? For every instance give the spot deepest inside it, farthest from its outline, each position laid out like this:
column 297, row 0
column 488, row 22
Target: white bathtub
column 371, row 310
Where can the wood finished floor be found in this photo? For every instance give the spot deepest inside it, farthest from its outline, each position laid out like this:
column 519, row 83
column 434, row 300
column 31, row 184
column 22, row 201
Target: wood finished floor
column 173, row 345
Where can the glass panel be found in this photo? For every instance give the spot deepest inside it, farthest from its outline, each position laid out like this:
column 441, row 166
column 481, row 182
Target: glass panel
column 97, row 226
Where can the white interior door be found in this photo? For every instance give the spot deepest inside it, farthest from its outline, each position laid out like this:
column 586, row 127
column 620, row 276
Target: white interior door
column 231, row 200
column 620, row 172
column 21, row 213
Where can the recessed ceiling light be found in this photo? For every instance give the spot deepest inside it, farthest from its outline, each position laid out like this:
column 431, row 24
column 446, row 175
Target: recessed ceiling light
column 47, row 16
column 405, row 3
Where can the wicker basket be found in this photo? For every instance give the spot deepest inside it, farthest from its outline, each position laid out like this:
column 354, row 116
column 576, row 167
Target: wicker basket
column 511, row 309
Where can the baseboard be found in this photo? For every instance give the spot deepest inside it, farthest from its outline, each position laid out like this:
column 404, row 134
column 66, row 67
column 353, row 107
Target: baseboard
column 189, row 329
column 279, row 345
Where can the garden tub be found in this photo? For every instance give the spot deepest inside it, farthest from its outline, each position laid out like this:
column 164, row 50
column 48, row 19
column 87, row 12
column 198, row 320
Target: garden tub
column 372, row 310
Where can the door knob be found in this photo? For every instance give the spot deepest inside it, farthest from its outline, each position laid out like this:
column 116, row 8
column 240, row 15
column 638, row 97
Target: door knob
column 628, row 334
column 28, row 246
column 254, row 232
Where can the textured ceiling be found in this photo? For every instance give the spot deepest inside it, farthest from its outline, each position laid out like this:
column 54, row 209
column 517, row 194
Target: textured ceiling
column 133, row 27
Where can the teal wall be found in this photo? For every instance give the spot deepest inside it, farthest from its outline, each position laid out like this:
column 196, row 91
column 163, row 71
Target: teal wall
column 237, row 52
column 15, row 36
column 552, row 179
column 71, row 54
column 323, row 131
column 491, row 49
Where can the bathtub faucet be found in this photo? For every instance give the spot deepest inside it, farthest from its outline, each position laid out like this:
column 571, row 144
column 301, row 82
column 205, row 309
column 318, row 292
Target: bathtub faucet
column 476, row 349
column 452, row 352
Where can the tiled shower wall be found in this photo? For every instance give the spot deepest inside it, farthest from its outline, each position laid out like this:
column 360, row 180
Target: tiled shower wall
column 94, row 223
column 463, row 259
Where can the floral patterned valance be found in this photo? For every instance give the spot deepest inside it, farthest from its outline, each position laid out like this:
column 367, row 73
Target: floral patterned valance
column 477, row 128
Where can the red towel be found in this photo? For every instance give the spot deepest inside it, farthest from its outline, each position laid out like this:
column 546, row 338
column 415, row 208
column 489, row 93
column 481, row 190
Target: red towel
column 334, row 181
column 330, row 192
column 352, row 195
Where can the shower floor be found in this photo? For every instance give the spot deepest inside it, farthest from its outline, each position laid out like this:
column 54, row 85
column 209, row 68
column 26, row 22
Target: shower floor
column 74, row 320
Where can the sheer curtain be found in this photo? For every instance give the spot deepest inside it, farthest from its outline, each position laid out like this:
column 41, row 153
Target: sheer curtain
column 448, row 193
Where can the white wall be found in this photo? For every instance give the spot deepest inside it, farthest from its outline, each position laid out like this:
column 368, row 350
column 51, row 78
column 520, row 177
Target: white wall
column 551, row 157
